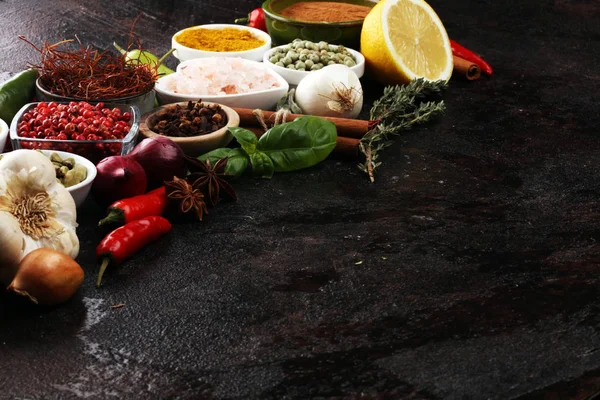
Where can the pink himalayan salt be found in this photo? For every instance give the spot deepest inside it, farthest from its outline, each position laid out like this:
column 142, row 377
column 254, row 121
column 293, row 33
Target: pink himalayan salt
column 221, row 76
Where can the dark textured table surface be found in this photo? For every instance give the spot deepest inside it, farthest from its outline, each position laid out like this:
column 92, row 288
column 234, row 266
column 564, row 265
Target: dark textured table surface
column 470, row 269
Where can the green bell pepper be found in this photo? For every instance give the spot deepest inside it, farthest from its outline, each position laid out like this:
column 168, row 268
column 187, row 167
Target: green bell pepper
column 15, row 93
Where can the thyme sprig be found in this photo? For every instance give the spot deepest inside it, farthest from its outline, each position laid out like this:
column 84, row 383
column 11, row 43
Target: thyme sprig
column 398, row 110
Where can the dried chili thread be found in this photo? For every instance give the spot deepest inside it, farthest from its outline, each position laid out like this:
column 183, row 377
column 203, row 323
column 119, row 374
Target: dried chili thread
column 88, row 74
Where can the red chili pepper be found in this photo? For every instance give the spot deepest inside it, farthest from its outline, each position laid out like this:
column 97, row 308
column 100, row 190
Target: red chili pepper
column 137, row 207
column 126, row 240
column 256, row 19
column 462, row 52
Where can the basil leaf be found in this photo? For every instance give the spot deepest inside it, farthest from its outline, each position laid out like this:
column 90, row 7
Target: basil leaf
column 245, row 138
column 237, row 159
column 261, row 165
column 302, row 143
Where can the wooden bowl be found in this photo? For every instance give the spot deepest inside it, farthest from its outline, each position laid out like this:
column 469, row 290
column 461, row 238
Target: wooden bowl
column 195, row 146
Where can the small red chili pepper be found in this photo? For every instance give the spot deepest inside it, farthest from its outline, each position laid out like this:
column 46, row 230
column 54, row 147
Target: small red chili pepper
column 126, row 240
column 460, row 51
column 137, row 207
column 256, row 19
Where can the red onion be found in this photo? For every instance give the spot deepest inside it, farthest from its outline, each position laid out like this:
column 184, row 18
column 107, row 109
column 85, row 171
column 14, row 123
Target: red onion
column 161, row 158
column 118, row 178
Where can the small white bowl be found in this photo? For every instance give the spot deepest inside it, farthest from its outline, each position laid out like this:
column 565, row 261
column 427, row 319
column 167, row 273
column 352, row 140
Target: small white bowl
column 263, row 99
column 80, row 191
column 184, row 53
column 3, row 134
column 294, row 77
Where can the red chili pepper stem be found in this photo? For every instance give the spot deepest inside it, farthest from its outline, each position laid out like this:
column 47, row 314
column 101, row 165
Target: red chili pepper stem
column 105, row 262
column 115, row 216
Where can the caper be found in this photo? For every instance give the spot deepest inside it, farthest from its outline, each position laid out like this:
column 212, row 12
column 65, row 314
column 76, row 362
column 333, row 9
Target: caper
column 325, row 59
column 315, row 58
column 300, row 64
column 316, row 67
column 323, row 45
column 335, row 58
column 298, row 45
column 279, row 64
column 62, row 171
column 323, row 52
column 274, row 59
column 291, row 66
column 286, row 61
column 349, row 63
column 302, row 57
column 296, row 40
column 309, row 63
column 55, row 158
column 330, row 54
column 331, row 62
column 305, row 52
column 74, row 176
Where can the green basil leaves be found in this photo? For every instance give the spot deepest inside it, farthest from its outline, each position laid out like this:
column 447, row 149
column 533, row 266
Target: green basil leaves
column 299, row 144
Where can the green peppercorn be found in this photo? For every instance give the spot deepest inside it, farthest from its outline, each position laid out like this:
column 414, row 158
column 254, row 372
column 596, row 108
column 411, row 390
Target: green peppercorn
column 286, row 60
column 301, row 69
column 315, row 58
column 325, row 59
column 302, row 57
column 315, row 67
column 331, row 62
column 274, row 59
column 300, row 64
column 306, row 52
column 349, row 63
column 279, row 64
column 323, row 45
column 291, row 66
column 309, row 63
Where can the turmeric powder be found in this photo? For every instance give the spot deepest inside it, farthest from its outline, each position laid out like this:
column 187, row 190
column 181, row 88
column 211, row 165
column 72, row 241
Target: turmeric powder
column 219, row 40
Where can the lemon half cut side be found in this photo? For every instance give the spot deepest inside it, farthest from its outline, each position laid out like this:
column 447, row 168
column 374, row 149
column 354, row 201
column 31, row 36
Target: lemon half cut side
column 405, row 39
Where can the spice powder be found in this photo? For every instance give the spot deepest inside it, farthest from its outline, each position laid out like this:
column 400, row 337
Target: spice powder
column 325, row 11
column 219, row 40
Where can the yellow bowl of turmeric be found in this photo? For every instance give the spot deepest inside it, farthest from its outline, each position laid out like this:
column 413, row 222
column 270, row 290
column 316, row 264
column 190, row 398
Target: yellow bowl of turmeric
column 220, row 40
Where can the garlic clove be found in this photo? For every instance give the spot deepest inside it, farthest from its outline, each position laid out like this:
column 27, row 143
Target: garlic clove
column 11, row 253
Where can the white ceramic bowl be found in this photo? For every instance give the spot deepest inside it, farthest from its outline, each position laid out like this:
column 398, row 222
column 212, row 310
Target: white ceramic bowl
column 263, row 99
column 294, row 77
column 80, row 191
column 3, row 134
column 184, row 53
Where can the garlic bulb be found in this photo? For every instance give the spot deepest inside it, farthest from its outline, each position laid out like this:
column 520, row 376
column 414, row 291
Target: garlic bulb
column 333, row 91
column 35, row 210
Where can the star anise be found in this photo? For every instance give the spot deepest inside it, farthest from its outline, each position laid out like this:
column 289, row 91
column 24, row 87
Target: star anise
column 211, row 179
column 188, row 197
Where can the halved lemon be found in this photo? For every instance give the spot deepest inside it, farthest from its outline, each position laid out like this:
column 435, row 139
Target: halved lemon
column 403, row 40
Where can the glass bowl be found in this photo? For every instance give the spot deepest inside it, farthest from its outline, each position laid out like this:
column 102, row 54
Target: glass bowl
column 143, row 101
column 93, row 150
column 284, row 30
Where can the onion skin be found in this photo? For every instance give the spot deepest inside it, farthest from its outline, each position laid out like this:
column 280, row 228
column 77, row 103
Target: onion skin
column 118, row 178
column 47, row 277
column 161, row 158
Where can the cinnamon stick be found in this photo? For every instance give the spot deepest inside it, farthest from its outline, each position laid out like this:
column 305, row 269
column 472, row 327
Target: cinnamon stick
column 466, row 69
column 348, row 147
column 350, row 128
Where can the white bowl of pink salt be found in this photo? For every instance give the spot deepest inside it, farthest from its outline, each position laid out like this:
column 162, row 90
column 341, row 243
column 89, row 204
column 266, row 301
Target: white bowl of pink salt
column 235, row 82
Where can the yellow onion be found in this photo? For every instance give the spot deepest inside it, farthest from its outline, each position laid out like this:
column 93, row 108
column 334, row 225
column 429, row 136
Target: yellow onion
column 47, row 277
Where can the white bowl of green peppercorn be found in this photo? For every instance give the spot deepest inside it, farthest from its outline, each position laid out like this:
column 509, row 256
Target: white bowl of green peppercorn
column 3, row 134
column 323, row 51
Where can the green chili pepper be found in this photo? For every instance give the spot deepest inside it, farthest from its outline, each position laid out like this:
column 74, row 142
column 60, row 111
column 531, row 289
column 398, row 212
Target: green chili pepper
column 15, row 93
column 146, row 57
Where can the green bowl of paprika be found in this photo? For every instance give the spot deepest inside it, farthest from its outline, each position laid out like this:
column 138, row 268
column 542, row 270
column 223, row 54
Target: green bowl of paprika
column 332, row 21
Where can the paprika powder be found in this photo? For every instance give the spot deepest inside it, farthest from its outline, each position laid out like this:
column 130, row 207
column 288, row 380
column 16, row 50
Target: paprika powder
column 325, row 11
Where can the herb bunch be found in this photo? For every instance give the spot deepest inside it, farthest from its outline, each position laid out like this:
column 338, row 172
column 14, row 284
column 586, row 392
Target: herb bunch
column 398, row 110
